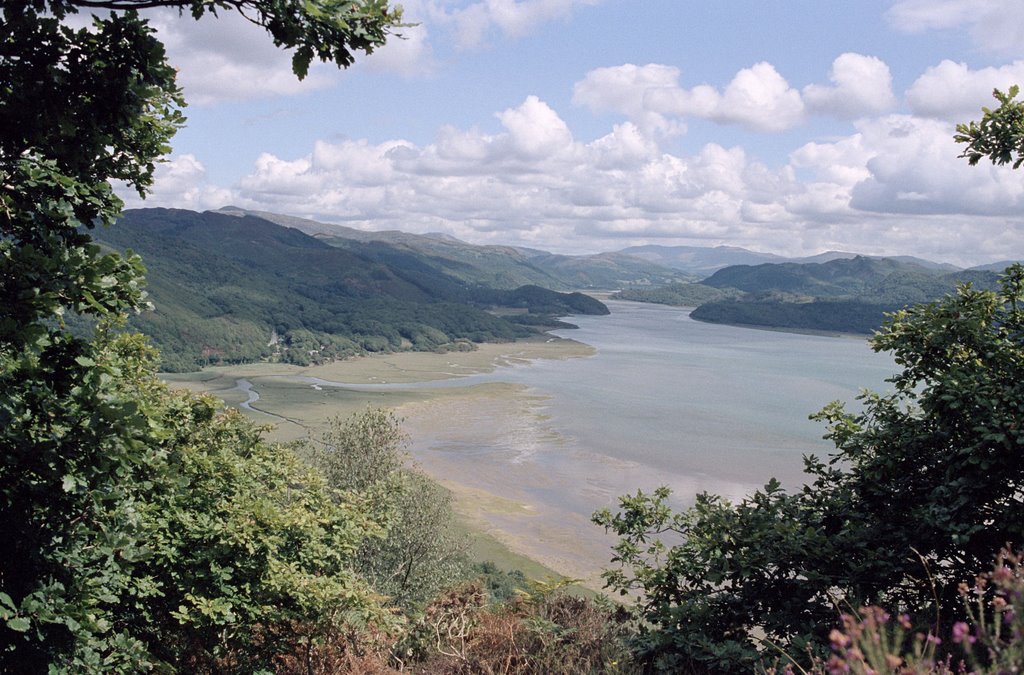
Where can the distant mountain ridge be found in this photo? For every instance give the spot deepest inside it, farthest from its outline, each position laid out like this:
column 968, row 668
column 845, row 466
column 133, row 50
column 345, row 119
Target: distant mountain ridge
column 704, row 261
column 493, row 265
column 664, row 264
column 699, row 260
column 237, row 285
column 996, row 266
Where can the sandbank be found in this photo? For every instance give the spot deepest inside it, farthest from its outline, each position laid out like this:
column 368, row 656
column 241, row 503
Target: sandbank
column 407, row 367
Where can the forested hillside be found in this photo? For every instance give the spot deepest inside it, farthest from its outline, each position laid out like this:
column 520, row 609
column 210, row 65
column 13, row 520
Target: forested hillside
column 676, row 295
column 849, row 295
column 231, row 289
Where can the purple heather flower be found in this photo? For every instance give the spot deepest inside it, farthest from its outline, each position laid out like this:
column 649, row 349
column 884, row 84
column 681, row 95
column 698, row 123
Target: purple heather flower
column 962, row 633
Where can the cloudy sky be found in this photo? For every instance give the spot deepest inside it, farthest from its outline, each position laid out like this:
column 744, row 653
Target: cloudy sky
column 785, row 126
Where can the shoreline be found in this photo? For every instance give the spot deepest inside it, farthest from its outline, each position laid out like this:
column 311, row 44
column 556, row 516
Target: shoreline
column 486, row 498
column 503, row 464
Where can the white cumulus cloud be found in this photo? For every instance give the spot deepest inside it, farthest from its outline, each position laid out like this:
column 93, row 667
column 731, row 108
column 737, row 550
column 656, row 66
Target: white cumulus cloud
column 757, row 98
column 953, row 91
column 861, row 85
column 535, row 130
column 641, row 93
column 179, row 182
column 915, row 170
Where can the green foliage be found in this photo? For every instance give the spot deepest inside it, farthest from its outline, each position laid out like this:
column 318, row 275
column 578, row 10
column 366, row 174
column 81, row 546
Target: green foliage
column 924, row 484
column 499, row 584
column 191, row 540
column 247, row 548
column 79, row 107
column 999, row 135
column 85, row 443
column 74, row 432
column 359, row 453
column 423, row 551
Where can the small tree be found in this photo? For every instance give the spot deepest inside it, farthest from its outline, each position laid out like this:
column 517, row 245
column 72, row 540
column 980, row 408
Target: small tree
column 249, row 553
column 423, row 551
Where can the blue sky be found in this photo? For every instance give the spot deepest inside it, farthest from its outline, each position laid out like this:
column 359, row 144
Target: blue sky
column 787, row 126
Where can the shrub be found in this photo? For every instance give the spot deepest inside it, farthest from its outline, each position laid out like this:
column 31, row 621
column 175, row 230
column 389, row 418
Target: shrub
column 542, row 632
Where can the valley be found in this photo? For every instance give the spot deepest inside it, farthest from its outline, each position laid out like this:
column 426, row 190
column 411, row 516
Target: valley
column 532, row 437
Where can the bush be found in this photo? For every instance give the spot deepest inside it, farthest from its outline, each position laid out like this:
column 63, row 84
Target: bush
column 423, row 550
column 991, row 641
column 543, row 632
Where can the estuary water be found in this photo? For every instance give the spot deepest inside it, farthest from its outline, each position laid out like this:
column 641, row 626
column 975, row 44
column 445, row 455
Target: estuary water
column 664, row 401
column 701, row 399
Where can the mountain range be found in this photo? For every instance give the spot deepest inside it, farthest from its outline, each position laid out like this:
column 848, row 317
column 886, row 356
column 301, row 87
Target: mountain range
column 494, row 266
column 235, row 285
column 703, row 261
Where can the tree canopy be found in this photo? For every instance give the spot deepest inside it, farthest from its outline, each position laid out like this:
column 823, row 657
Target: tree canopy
column 94, row 453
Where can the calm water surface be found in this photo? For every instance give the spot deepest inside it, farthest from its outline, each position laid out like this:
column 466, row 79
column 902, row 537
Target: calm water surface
column 665, row 401
column 672, row 400
column 701, row 399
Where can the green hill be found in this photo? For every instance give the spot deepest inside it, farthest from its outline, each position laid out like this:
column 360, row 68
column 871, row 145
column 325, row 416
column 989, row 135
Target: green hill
column 239, row 288
column 848, row 295
column 835, row 278
column 676, row 295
